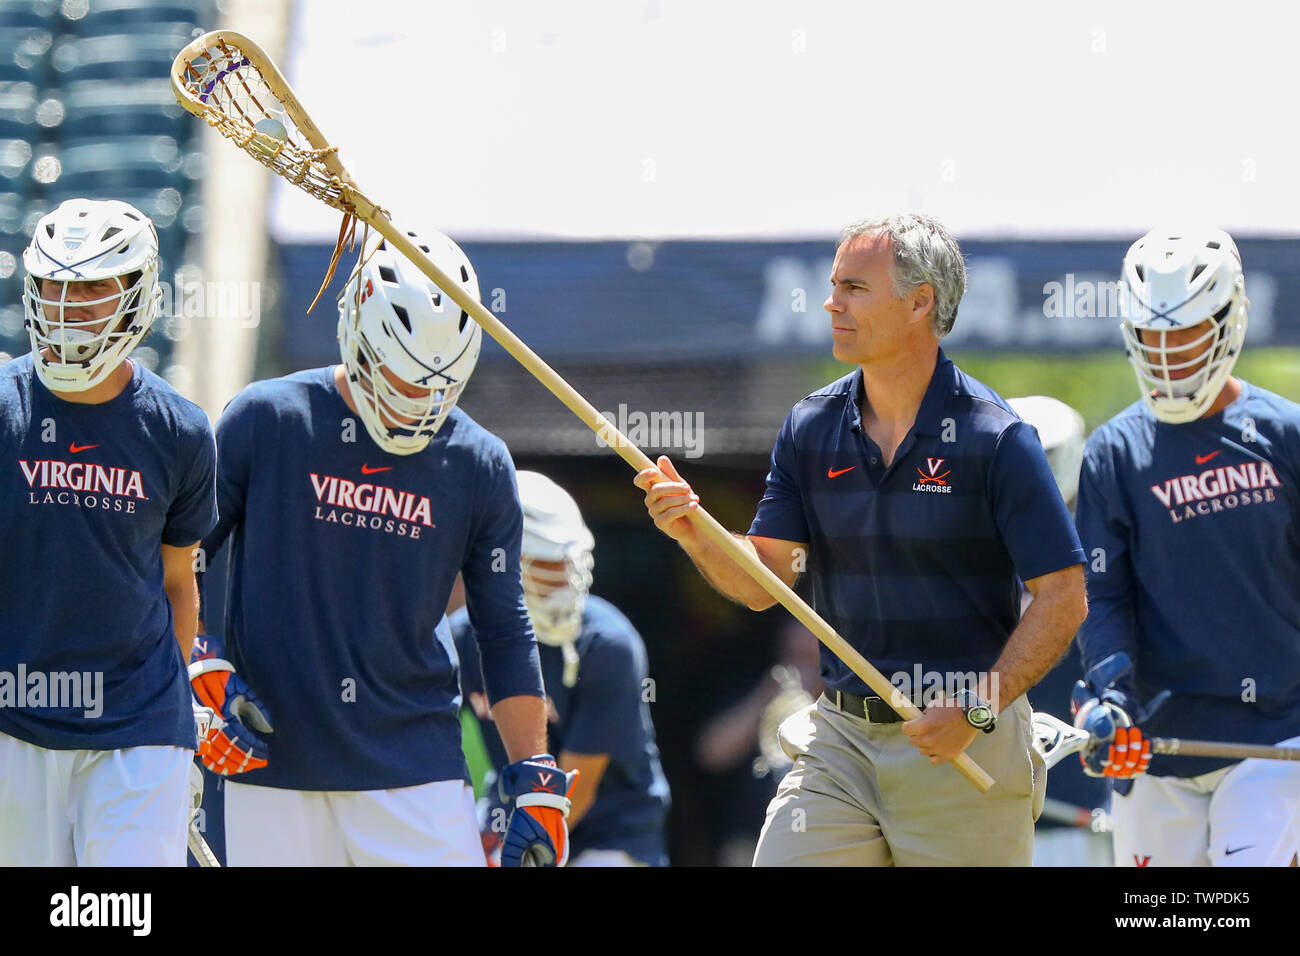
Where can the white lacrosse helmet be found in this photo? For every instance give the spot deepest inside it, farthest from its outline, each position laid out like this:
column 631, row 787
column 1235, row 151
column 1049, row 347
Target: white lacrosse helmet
column 1061, row 429
column 394, row 319
column 555, row 533
column 1175, row 280
column 77, row 343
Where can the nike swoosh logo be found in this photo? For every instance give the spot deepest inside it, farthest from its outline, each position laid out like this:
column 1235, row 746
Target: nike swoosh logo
column 832, row 473
column 367, row 470
column 1202, row 459
column 1228, row 852
column 74, row 447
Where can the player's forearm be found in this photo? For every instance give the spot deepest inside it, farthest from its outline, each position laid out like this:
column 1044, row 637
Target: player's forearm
column 184, row 598
column 1040, row 640
column 591, row 769
column 521, row 721
column 727, row 577
column 728, row 739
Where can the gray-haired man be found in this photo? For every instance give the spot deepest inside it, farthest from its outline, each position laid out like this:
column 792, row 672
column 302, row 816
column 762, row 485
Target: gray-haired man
column 915, row 497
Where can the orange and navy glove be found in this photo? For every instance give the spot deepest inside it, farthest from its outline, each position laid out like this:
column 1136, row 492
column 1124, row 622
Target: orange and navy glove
column 229, row 747
column 1104, row 708
column 1117, row 747
column 536, row 834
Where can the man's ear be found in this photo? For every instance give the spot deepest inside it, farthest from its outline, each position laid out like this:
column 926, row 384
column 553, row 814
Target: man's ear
column 922, row 301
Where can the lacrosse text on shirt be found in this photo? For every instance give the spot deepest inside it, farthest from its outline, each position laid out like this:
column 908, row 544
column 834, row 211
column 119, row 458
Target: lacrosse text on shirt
column 404, row 510
column 1218, row 489
column 79, row 483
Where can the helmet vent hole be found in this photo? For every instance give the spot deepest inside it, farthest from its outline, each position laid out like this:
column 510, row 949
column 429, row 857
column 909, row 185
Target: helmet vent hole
column 1197, row 271
column 403, row 317
column 49, row 230
column 1142, row 273
column 388, row 275
column 464, row 317
column 1223, row 313
column 424, row 248
column 1212, row 244
column 109, row 233
column 382, row 244
column 131, row 215
column 81, row 215
column 436, row 299
column 464, row 274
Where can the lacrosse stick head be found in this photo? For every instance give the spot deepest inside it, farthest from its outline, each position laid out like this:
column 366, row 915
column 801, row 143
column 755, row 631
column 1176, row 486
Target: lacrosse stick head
column 1054, row 739
column 789, row 700
column 229, row 81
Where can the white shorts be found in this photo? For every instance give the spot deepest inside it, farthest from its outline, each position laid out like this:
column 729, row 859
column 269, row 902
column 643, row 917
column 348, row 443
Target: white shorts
column 1247, row 814
column 93, row 807
column 432, row 824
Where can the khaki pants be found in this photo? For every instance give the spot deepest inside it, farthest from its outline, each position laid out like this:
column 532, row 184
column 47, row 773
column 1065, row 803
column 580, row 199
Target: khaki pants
column 860, row 794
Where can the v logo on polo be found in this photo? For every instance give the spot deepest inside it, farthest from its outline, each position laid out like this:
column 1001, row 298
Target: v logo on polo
column 934, row 481
column 1141, row 860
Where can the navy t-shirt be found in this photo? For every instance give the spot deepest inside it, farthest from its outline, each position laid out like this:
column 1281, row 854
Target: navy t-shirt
column 917, row 565
column 342, row 559
column 1193, row 537
column 605, row 712
column 88, row 493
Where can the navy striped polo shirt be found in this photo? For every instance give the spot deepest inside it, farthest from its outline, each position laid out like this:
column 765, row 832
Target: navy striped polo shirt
column 916, row 565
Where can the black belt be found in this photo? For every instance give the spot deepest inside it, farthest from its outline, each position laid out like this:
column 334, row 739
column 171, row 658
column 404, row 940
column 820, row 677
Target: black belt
column 873, row 709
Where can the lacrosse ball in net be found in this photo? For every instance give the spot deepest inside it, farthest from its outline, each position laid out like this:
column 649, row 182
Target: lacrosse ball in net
column 268, row 136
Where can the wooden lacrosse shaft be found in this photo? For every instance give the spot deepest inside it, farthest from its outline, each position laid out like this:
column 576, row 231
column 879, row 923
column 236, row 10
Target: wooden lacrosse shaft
column 1176, row 747
column 355, row 202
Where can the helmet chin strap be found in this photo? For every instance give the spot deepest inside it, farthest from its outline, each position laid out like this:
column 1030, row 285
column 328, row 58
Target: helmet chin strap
column 570, row 664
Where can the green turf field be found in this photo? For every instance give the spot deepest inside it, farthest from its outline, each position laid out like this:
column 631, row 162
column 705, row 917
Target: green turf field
column 1099, row 384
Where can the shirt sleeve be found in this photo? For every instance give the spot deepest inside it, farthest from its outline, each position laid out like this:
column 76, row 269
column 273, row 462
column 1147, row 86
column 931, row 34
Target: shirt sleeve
column 471, row 673
column 1105, row 529
column 607, row 714
column 494, row 591
column 234, row 462
column 193, row 511
column 780, row 512
column 1031, row 517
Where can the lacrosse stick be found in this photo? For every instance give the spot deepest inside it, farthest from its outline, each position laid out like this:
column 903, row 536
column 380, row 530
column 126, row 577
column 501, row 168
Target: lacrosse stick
column 203, row 854
column 1054, row 739
column 227, row 80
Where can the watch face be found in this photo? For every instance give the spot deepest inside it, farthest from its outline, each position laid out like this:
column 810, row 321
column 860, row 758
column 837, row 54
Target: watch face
column 980, row 715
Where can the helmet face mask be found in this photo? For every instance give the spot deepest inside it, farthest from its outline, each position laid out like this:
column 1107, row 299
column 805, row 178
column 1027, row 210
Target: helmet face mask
column 1185, row 316
column 556, row 559
column 555, row 593
column 91, row 293
column 407, row 347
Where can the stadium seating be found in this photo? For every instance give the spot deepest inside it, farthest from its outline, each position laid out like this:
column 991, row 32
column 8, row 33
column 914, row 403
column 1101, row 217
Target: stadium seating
column 99, row 110
column 86, row 110
column 17, row 109
column 100, row 17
